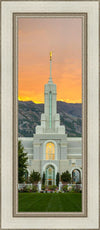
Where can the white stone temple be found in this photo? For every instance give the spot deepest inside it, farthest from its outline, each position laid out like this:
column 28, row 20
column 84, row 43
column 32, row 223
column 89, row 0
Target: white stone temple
column 50, row 150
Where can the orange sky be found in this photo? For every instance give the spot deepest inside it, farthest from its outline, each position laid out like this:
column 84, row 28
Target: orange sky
column 36, row 38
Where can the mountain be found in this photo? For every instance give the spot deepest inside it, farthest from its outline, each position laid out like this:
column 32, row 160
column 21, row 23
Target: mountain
column 29, row 115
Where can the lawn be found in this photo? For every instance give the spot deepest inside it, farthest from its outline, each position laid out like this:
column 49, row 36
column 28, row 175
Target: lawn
column 50, row 202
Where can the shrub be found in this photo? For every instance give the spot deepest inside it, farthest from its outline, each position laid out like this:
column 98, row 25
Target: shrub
column 26, row 189
column 57, row 179
column 27, row 181
column 43, row 178
column 34, row 177
column 66, row 177
column 52, row 187
column 65, row 188
column 77, row 188
column 43, row 187
column 73, row 189
column 34, row 188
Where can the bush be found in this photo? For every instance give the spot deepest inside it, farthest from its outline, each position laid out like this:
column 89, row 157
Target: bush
column 43, row 178
column 57, row 179
column 34, row 177
column 77, row 188
column 73, row 189
column 52, row 187
column 26, row 189
column 34, row 188
column 27, row 181
column 65, row 188
column 66, row 177
column 43, row 187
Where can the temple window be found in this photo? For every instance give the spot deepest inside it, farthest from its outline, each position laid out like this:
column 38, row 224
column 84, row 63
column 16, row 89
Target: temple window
column 50, row 151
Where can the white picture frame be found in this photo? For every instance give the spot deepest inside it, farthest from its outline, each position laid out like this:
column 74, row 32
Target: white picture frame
column 8, row 221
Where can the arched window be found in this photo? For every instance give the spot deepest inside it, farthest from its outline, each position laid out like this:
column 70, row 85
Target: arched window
column 50, row 151
column 76, row 176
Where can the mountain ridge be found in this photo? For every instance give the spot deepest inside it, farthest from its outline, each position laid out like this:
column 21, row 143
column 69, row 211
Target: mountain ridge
column 29, row 115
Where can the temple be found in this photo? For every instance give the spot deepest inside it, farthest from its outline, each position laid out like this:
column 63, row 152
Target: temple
column 50, row 150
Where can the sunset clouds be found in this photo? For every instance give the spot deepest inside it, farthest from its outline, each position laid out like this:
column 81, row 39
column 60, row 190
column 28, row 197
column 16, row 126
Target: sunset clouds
column 36, row 38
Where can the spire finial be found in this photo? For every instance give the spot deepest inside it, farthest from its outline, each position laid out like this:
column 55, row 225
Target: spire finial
column 50, row 78
column 50, row 55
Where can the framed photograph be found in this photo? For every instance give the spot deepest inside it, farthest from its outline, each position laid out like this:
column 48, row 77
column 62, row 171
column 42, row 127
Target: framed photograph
column 53, row 143
column 50, row 115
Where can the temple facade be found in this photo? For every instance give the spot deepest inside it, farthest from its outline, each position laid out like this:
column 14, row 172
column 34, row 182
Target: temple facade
column 50, row 150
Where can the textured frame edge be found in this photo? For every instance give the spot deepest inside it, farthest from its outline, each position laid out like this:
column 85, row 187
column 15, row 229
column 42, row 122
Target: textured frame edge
column 99, row 114
column 84, row 116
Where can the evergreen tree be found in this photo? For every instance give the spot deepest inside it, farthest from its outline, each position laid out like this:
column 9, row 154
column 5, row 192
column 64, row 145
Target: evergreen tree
column 57, row 179
column 66, row 177
column 22, row 163
column 34, row 177
column 43, row 178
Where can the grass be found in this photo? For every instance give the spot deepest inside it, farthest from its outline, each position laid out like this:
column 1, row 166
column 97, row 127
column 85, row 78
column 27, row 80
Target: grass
column 50, row 202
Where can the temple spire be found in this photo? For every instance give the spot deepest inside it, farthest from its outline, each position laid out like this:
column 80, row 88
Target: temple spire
column 50, row 77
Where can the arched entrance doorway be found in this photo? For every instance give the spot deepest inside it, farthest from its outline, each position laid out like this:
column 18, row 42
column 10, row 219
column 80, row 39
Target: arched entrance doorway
column 50, row 175
column 76, row 176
